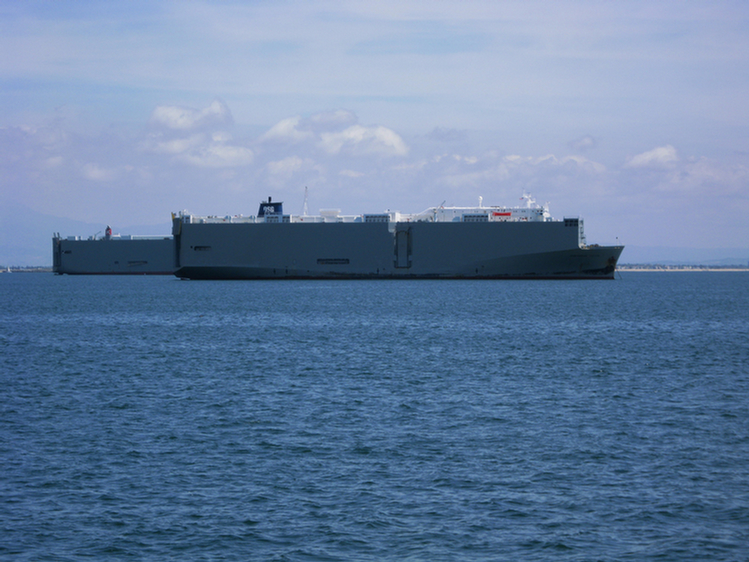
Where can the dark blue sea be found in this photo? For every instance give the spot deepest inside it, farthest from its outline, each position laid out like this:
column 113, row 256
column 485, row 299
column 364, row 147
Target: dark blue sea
column 148, row 418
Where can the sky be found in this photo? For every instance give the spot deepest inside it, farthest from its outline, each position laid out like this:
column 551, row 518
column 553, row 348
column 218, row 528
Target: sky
column 632, row 115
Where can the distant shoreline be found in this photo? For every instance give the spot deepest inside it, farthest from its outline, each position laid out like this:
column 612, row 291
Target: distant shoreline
column 679, row 268
column 41, row 269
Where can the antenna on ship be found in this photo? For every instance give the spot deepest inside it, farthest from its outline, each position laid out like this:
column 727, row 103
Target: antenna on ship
column 304, row 209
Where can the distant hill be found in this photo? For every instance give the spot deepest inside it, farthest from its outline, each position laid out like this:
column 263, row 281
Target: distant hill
column 26, row 236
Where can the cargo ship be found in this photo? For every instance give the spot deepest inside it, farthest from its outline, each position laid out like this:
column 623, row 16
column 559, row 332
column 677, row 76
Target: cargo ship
column 113, row 254
column 480, row 242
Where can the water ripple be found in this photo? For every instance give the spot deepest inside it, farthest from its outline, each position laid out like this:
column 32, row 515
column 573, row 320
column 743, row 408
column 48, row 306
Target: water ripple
column 152, row 419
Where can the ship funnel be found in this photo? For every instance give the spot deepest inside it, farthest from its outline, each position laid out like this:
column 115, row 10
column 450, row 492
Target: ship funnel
column 270, row 208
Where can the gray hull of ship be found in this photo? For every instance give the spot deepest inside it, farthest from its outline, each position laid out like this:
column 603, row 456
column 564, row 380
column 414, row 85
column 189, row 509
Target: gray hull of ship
column 153, row 256
column 489, row 250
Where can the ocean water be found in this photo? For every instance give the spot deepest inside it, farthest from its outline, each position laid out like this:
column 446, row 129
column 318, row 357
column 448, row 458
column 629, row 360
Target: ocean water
column 147, row 418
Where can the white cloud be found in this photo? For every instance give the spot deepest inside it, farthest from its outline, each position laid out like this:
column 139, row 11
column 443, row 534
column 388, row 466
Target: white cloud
column 350, row 173
column 203, row 150
column 466, row 159
column 585, row 163
column 660, row 157
column 517, row 173
column 286, row 167
column 208, row 147
column 219, row 156
column 336, row 132
column 358, row 139
column 53, row 162
column 287, row 130
column 186, row 118
column 706, row 177
column 583, row 143
column 94, row 172
column 180, row 145
column 221, row 136
column 333, row 119
column 303, row 171
column 551, row 161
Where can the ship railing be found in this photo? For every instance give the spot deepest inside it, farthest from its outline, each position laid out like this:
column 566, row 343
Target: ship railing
column 434, row 214
column 139, row 237
column 239, row 219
